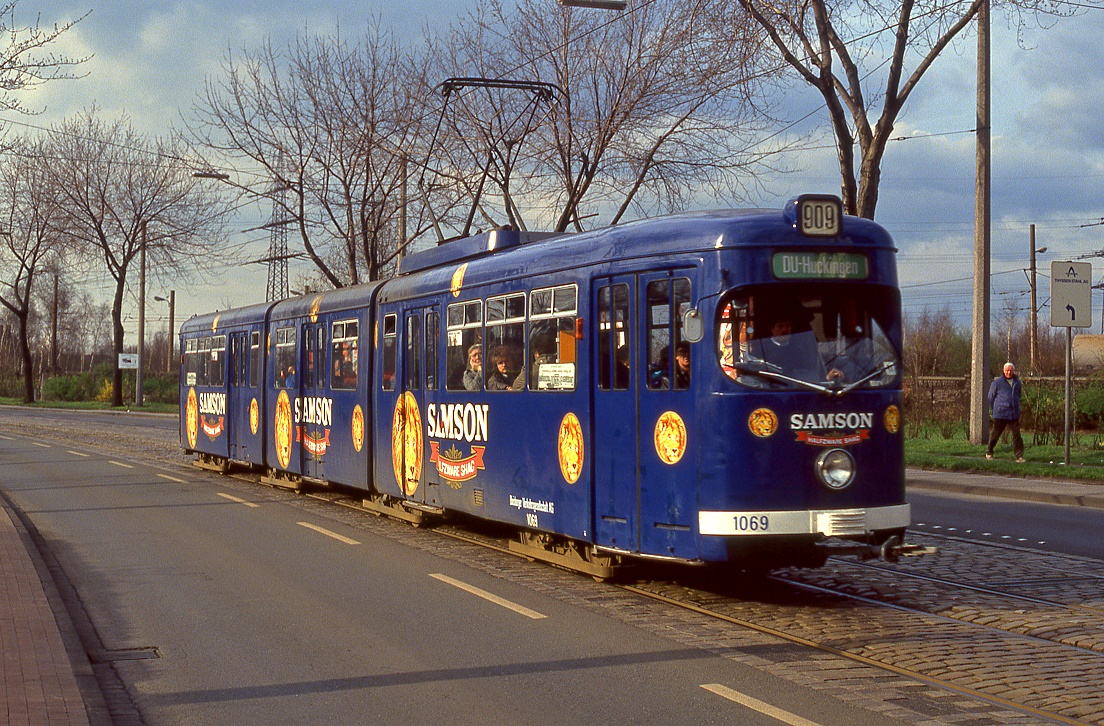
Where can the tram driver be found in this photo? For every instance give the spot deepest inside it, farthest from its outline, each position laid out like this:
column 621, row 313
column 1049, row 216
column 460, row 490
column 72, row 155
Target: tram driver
column 791, row 347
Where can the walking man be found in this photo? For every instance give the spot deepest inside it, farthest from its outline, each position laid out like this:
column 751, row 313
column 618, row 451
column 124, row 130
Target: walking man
column 1004, row 399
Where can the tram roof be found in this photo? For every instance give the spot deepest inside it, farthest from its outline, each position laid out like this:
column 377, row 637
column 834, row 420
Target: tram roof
column 344, row 298
column 215, row 321
column 685, row 232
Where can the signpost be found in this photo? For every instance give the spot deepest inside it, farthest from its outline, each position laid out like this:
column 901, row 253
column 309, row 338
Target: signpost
column 1070, row 307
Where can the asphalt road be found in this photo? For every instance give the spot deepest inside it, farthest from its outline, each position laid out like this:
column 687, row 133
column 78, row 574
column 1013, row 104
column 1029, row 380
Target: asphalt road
column 264, row 608
column 1050, row 527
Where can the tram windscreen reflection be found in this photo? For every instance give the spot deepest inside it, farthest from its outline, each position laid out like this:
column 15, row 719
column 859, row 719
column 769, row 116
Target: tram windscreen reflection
column 838, row 335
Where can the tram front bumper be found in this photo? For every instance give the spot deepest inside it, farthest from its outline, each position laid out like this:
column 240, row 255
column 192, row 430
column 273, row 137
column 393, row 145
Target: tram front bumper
column 827, row 522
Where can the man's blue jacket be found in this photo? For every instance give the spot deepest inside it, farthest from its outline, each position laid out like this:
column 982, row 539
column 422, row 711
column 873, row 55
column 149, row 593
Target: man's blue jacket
column 1004, row 398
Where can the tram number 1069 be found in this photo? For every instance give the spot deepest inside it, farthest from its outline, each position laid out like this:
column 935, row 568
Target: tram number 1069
column 751, row 523
column 819, row 216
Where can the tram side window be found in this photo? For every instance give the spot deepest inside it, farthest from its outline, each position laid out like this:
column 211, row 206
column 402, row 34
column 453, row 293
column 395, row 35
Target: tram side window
column 464, row 351
column 235, row 360
column 505, row 341
column 203, row 362
column 668, row 353
column 413, row 363
column 285, row 358
column 390, row 341
column 254, row 358
column 191, row 362
column 613, row 338
column 310, row 363
column 343, row 354
column 552, row 349
column 217, row 371
column 432, row 334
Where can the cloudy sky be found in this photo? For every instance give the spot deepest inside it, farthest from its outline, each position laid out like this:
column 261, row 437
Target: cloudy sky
column 150, row 59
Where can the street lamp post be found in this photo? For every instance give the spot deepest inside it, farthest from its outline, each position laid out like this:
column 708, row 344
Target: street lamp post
column 139, row 379
column 171, row 300
column 1034, row 332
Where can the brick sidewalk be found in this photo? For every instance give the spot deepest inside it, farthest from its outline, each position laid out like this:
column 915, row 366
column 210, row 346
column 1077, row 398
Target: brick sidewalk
column 37, row 682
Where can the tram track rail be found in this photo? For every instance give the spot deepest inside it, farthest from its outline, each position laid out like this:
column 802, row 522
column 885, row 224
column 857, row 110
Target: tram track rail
column 858, row 658
column 976, row 588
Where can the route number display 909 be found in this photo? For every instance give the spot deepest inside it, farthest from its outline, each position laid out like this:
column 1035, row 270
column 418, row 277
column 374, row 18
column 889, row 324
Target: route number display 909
column 819, row 216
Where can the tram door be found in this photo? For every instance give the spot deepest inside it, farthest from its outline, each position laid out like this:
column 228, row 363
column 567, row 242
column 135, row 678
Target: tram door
column 668, row 443
column 616, row 474
column 416, row 365
column 237, row 407
column 312, row 427
column 643, row 404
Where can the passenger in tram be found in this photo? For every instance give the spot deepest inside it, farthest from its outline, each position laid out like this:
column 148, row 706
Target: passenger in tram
column 473, row 376
column 497, row 377
column 659, row 378
column 543, row 349
column 682, row 365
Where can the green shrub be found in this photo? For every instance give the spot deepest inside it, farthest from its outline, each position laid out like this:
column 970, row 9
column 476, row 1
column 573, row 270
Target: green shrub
column 1089, row 405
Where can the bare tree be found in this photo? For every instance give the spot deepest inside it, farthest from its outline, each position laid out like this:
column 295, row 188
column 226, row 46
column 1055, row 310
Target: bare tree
column 325, row 123
column 845, row 49
column 25, row 59
column 28, row 238
column 114, row 184
column 656, row 107
column 927, row 342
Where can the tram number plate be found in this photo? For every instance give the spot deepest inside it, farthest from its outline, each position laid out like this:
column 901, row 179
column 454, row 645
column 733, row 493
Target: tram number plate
column 751, row 523
column 819, row 216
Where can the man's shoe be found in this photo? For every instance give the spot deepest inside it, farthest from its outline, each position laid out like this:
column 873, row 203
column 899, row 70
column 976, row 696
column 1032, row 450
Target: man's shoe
column 988, row 456
column 1019, row 460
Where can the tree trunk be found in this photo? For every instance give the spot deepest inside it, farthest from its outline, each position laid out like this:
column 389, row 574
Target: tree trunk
column 117, row 343
column 28, row 365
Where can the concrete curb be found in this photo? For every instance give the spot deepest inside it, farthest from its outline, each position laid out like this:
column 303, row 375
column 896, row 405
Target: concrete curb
column 1026, row 490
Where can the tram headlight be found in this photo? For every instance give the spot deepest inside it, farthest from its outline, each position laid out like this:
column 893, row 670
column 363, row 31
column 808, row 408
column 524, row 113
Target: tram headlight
column 835, row 468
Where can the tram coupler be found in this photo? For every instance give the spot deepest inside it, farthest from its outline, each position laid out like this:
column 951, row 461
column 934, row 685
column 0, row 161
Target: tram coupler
column 892, row 550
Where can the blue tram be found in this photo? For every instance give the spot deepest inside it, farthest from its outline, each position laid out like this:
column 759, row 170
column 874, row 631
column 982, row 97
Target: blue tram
column 719, row 387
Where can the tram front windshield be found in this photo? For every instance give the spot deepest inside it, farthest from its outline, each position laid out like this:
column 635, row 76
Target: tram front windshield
column 834, row 338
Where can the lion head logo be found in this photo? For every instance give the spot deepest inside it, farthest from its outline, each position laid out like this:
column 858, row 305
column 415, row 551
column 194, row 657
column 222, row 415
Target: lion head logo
column 570, row 447
column 762, row 422
column 670, row 437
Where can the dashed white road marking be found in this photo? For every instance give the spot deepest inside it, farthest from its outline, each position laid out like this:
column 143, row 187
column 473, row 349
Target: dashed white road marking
column 925, row 525
column 41, row 446
column 328, row 533
column 172, row 478
column 119, row 463
column 520, row 609
column 756, row 705
column 248, row 504
column 78, row 453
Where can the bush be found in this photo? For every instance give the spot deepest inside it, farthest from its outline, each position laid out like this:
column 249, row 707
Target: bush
column 1089, row 405
column 69, row 388
column 163, row 389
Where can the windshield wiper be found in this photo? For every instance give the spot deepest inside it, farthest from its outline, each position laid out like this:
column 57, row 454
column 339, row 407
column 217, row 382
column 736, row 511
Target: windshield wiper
column 763, row 369
column 885, row 367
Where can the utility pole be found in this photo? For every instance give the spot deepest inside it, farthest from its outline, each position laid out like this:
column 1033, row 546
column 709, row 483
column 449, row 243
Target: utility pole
column 54, row 329
column 172, row 331
column 1034, row 332
column 138, row 378
column 979, row 366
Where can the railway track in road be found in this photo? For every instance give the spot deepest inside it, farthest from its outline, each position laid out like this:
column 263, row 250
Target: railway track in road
column 960, row 637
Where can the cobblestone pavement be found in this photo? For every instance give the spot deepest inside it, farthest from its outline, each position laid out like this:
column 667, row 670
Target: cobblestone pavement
column 948, row 654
